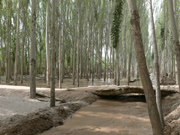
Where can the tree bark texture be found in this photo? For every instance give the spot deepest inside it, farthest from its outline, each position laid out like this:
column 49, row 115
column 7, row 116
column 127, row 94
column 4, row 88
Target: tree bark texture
column 129, row 62
column 144, row 74
column 8, row 44
column 24, row 38
column 47, row 46
column 52, row 76
column 156, row 67
column 33, row 52
column 174, row 30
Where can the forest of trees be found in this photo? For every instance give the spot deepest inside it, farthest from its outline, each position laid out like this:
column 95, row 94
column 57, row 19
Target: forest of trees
column 82, row 30
column 90, row 39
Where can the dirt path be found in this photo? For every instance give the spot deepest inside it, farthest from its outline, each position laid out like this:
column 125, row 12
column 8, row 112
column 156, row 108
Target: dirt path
column 107, row 117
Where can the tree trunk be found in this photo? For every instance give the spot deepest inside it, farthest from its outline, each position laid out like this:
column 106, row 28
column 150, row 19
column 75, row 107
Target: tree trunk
column 47, row 46
column 52, row 78
column 23, row 41
column 74, row 57
column 0, row 71
column 117, row 67
column 175, row 34
column 144, row 74
column 33, row 52
column 8, row 44
column 60, row 56
column 92, row 43
column 17, row 46
column 78, row 40
column 156, row 67
column 106, row 50
column 129, row 62
column 176, row 21
column 124, row 45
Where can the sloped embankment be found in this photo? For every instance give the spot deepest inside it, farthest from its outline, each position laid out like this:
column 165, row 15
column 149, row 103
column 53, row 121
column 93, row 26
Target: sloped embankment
column 171, row 107
column 46, row 118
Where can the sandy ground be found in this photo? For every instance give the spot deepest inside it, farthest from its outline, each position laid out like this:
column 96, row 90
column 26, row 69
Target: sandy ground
column 15, row 100
column 107, row 117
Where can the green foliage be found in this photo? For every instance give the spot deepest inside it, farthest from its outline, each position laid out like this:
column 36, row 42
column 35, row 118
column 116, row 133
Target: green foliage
column 117, row 20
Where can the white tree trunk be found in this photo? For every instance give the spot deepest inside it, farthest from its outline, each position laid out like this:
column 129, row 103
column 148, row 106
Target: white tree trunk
column 47, row 46
column 156, row 67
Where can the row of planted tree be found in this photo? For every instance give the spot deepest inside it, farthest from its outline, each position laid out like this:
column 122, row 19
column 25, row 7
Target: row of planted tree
column 82, row 39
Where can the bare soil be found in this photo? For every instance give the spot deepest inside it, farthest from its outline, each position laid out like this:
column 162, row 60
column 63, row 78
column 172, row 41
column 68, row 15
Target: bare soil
column 171, row 108
column 20, row 115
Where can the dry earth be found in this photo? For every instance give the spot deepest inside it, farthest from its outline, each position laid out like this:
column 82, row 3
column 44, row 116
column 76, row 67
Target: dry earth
column 20, row 115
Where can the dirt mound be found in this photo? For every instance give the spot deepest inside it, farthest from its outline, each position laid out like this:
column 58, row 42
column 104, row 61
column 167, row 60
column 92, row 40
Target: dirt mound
column 173, row 123
column 44, row 119
column 172, row 114
column 168, row 80
column 38, row 121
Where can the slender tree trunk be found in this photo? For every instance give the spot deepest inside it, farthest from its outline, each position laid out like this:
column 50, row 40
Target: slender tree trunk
column 156, row 66
column 124, row 45
column 144, row 74
column 28, row 63
column 93, row 65
column 117, row 66
column 78, row 41
column 0, row 71
column 60, row 55
column 176, row 21
column 8, row 44
column 24, row 38
column 129, row 62
column 74, row 57
column 17, row 46
column 174, row 29
column 88, row 53
column 165, row 36
column 78, row 62
column 33, row 52
column 110, row 62
column 106, row 49
column 52, row 82
column 113, row 62
column 47, row 46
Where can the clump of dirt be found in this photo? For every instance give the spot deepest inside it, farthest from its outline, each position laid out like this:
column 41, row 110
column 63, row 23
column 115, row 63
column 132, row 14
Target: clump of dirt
column 171, row 107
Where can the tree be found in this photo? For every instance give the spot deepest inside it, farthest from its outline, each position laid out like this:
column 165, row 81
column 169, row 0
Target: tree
column 8, row 42
column 175, row 34
column 17, row 46
column 156, row 66
column 144, row 74
column 47, row 45
column 52, row 102
column 33, row 51
column 129, row 62
column 115, row 32
column 24, row 36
